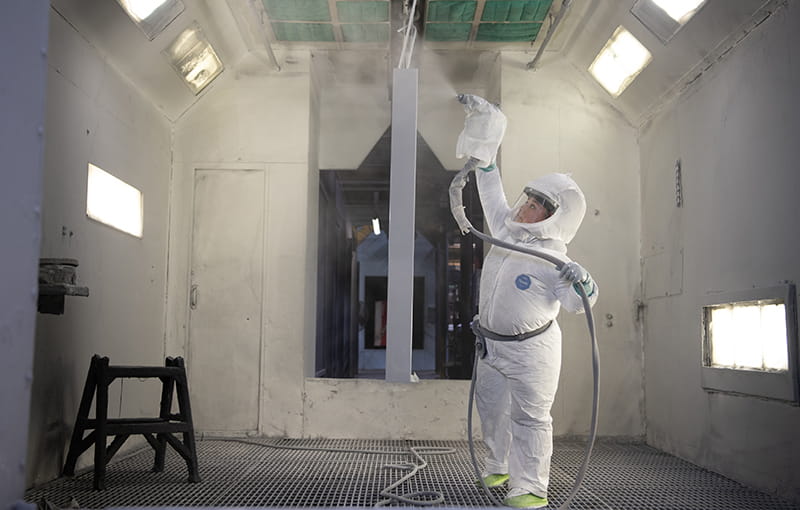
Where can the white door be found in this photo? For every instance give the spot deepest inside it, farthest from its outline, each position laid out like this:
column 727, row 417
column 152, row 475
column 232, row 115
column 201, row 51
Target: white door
column 224, row 354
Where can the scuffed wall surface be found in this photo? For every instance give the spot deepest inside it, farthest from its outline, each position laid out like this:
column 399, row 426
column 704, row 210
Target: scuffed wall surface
column 735, row 134
column 258, row 123
column 559, row 122
column 23, row 35
column 379, row 410
column 94, row 116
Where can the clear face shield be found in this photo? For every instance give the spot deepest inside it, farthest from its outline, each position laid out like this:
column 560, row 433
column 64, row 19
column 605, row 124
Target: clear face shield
column 533, row 206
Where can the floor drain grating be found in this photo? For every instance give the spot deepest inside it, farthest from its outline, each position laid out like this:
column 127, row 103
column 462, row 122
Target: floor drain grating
column 621, row 476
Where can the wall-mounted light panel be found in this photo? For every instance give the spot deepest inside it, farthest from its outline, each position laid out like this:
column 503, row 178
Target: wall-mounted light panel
column 664, row 18
column 114, row 202
column 152, row 16
column 750, row 343
column 622, row 58
column 193, row 58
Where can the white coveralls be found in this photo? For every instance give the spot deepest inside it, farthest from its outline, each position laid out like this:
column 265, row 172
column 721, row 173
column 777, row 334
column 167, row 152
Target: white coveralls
column 516, row 381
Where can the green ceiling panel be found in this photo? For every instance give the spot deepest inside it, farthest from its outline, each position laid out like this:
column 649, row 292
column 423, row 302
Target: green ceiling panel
column 447, row 31
column 451, row 11
column 362, row 12
column 303, row 31
column 298, row 10
column 507, row 32
column 368, row 32
column 516, row 10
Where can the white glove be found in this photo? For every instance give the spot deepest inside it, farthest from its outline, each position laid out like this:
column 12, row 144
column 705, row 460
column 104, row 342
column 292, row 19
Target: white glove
column 574, row 272
column 483, row 132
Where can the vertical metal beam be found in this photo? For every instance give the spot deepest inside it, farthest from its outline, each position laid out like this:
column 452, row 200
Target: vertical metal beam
column 23, row 50
column 402, row 182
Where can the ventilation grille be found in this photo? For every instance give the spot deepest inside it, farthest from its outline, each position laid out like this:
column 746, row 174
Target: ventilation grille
column 235, row 474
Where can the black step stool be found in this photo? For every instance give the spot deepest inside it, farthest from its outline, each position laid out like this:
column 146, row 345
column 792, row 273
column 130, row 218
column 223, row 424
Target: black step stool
column 173, row 377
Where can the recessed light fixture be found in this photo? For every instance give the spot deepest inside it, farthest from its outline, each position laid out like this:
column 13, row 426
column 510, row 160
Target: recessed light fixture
column 620, row 61
column 680, row 10
column 664, row 18
column 191, row 55
column 152, row 16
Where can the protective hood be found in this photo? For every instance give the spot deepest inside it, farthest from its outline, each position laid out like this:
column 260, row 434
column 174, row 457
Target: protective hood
column 563, row 224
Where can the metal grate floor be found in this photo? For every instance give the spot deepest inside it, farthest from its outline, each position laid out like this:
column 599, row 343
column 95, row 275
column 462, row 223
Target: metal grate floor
column 621, row 476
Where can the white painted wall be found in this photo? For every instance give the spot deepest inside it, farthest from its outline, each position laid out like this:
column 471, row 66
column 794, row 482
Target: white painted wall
column 258, row 123
column 23, row 44
column 560, row 122
column 95, row 116
column 428, row 409
column 354, row 107
column 735, row 133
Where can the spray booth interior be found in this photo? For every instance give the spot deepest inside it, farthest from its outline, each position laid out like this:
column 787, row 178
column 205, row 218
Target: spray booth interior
column 262, row 155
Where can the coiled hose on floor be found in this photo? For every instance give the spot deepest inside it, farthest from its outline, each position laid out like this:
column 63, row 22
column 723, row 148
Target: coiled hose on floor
column 418, row 498
column 457, row 209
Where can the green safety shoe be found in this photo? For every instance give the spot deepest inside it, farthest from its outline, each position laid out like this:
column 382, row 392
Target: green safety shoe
column 495, row 480
column 516, row 498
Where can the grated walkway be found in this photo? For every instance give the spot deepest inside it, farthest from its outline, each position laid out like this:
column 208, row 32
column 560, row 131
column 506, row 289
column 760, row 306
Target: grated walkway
column 621, row 476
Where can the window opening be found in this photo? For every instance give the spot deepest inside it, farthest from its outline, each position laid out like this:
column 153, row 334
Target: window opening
column 114, row 202
column 749, row 341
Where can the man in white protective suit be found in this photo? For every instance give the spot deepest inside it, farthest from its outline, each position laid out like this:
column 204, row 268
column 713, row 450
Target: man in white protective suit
column 520, row 297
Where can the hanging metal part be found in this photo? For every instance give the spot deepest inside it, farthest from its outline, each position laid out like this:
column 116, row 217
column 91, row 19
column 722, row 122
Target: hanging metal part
column 258, row 13
column 678, row 185
column 564, row 7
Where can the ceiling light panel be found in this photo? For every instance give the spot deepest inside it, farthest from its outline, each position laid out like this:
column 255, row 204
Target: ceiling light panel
column 622, row 59
column 664, row 18
column 192, row 56
column 680, row 10
column 152, row 16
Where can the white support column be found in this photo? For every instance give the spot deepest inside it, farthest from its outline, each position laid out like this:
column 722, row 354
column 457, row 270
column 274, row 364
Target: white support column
column 23, row 50
column 399, row 319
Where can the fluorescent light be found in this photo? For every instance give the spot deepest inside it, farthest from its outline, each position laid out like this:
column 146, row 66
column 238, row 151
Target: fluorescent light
column 680, row 10
column 376, row 226
column 141, row 9
column 191, row 55
column 152, row 16
column 620, row 61
column 114, row 202
column 749, row 336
